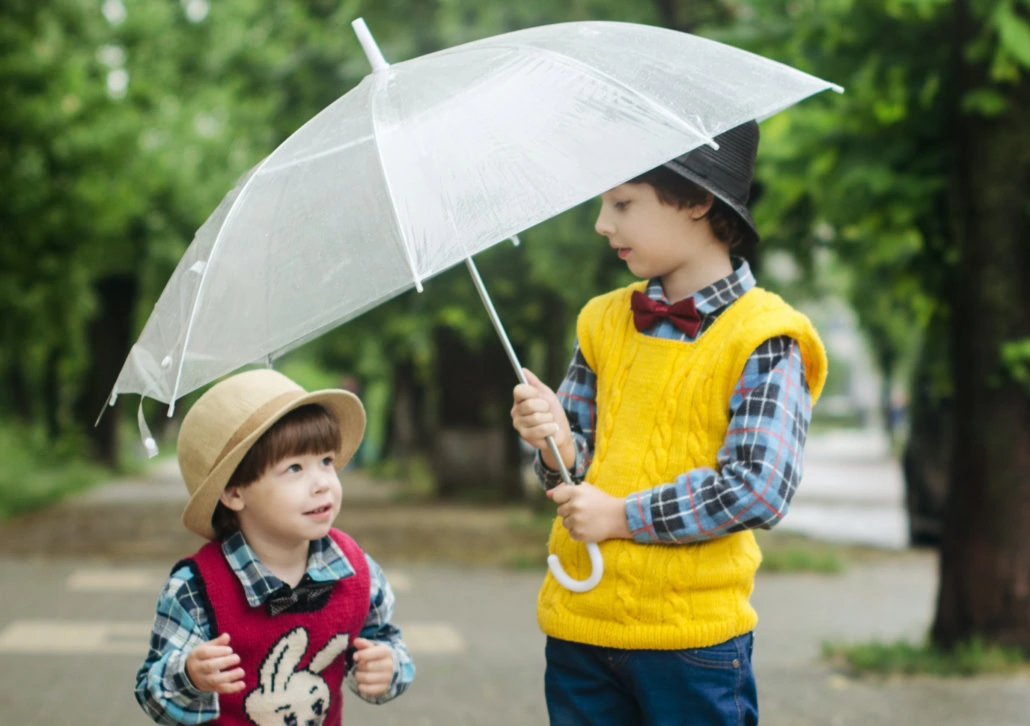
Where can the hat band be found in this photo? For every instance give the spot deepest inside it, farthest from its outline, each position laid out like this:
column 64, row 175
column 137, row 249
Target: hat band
column 254, row 422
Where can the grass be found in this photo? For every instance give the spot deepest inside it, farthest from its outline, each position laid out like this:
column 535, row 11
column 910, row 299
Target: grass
column 781, row 552
column 802, row 559
column 904, row 658
column 787, row 553
column 532, row 522
column 34, row 473
column 527, row 560
column 529, row 525
column 411, row 482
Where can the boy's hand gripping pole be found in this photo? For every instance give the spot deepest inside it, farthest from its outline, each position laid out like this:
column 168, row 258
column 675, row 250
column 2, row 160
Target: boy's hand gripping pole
column 553, row 564
column 596, row 561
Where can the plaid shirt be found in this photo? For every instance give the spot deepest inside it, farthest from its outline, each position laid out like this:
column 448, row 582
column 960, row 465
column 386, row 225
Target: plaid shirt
column 760, row 460
column 162, row 687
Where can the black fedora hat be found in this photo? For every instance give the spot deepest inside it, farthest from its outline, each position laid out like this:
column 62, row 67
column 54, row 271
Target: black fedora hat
column 726, row 172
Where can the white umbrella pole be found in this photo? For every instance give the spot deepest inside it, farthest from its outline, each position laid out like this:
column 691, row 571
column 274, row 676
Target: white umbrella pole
column 375, row 58
column 596, row 562
column 369, row 45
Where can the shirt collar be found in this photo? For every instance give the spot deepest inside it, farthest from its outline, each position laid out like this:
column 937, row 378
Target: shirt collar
column 719, row 294
column 326, row 563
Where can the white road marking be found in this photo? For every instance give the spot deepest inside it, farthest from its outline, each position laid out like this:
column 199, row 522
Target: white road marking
column 432, row 638
column 399, row 581
column 99, row 637
column 69, row 636
column 133, row 580
column 115, row 580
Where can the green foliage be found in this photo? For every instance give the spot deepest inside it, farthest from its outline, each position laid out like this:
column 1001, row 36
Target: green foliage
column 122, row 131
column 35, row 472
column 1013, row 39
column 904, row 658
column 310, row 375
column 862, row 174
column 787, row 552
column 801, row 557
column 1015, row 361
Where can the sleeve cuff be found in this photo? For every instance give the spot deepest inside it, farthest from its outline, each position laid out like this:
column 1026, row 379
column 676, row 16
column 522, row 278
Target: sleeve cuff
column 638, row 517
column 183, row 693
column 547, row 476
column 181, row 683
column 397, row 686
column 551, row 478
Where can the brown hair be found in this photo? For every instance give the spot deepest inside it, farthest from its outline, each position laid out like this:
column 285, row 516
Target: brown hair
column 677, row 191
column 309, row 429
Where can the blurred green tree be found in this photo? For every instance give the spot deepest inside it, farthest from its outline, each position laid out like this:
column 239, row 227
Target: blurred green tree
column 124, row 124
column 918, row 179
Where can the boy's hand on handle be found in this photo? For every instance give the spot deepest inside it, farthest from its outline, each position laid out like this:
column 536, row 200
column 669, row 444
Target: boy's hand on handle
column 590, row 514
column 537, row 414
column 211, row 667
column 373, row 666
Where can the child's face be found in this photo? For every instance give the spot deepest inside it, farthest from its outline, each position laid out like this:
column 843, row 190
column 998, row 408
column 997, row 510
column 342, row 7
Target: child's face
column 294, row 501
column 654, row 239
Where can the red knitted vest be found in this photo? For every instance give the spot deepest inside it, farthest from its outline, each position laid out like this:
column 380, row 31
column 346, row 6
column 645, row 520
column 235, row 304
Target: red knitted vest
column 293, row 662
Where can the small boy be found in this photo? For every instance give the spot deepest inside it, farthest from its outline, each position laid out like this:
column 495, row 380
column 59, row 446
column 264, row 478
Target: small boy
column 685, row 408
column 267, row 620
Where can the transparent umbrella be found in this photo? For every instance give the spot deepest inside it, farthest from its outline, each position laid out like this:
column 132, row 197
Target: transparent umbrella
column 427, row 162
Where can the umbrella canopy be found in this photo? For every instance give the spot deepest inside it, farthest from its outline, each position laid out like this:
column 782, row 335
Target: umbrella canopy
column 427, row 162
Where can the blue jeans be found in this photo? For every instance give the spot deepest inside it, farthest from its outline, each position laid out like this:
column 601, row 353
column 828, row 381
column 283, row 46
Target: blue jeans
column 590, row 686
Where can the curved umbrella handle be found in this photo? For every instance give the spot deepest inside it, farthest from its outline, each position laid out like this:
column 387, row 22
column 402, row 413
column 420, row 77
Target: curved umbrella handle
column 597, row 570
column 596, row 562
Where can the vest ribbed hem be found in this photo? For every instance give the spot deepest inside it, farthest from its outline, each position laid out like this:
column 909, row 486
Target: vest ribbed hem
column 561, row 623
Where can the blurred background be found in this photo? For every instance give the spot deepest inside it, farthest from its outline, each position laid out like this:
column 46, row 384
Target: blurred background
column 896, row 216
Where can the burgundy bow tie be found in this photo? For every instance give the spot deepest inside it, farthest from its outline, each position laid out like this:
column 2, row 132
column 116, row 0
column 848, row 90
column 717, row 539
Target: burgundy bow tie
column 683, row 314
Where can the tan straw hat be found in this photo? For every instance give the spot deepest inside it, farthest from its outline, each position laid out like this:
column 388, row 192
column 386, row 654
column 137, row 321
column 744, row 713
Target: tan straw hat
column 225, row 422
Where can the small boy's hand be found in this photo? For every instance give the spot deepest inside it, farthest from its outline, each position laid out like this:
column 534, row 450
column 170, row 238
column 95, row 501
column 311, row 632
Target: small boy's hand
column 373, row 667
column 209, row 667
column 590, row 514
column 537, row 414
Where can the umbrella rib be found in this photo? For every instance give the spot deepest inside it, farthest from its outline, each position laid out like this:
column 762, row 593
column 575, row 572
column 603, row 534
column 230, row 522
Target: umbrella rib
column 312, row 157
column 378, row 79
column 597, row 72
column 237, row 203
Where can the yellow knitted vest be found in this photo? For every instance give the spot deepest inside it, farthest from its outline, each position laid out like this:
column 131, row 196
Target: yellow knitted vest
column 662, row 410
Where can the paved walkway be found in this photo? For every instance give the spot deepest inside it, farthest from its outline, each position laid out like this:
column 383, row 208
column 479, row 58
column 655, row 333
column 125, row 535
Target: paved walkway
column 80, row 581
column 852, row 491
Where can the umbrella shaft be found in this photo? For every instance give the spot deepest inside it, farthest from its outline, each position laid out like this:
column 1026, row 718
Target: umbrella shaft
column 503, row 335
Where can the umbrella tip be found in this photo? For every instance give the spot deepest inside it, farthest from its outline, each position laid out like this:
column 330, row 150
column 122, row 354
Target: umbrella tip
column 368, row 44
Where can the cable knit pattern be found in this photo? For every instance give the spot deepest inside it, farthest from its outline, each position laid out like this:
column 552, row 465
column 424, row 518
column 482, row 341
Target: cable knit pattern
column 663, row 410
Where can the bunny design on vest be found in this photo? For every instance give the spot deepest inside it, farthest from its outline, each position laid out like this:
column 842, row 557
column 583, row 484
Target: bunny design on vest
column 274, row 650
column 286, row 695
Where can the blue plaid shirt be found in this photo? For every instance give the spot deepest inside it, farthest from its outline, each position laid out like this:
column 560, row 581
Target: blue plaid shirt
column 760, row 461
column 181, row 624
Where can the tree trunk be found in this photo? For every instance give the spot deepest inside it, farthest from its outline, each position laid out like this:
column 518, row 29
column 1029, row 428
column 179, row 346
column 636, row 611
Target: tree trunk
column 52, row 395
column 926, row 459
column 887, row 409
column 985, row 551
column 18, row 392
column 409, row 432
column 109, row 339
column 475, row 449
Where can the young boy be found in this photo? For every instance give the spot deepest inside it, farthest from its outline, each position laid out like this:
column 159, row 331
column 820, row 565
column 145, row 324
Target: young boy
column 684, row 414
column 267, row 620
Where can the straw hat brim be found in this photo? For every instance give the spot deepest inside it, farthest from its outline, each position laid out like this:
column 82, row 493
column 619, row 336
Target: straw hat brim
column 345, row 406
